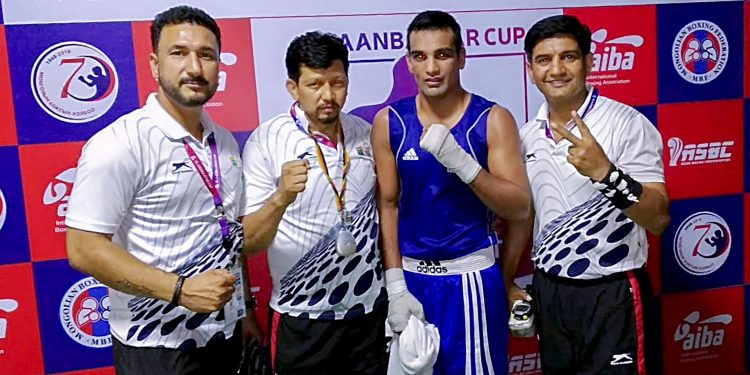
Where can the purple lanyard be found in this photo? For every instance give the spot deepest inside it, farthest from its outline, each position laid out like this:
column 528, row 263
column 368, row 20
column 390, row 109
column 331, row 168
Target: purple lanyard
column 589, row 107
column 212, row 183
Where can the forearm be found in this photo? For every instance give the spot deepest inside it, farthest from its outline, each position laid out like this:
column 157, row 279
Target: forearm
column 111, row 264
column 261, row 226
column 506, row 199
column 389, row 236
column 514, row 245
column 652, row 210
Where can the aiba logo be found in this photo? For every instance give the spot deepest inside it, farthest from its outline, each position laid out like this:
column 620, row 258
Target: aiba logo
column 74, row 82
column 700, row 52
column 701, row 153
column 606, row 55
column 702, row 243
column 3, row 209
column 703, row 334
column 527, row 364
column 84, row 313
column 58, row 192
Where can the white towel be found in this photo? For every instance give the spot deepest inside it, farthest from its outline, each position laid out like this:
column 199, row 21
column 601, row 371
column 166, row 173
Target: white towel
column 415, row 350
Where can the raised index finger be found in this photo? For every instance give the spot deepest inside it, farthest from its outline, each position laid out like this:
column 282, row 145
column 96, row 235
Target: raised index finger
column 585, row 132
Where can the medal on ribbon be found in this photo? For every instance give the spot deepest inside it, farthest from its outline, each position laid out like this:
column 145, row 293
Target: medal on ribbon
column 345, row 243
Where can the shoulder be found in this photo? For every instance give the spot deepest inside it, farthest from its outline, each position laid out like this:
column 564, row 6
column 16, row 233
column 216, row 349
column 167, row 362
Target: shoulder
column 123, row 136
column 612, row 111
column 361, row 127
column 404, row 102
column 500, row 119
column 526, row 131
column 482, row 102
column 354, row 120
column 278, row 127
column 225, row 137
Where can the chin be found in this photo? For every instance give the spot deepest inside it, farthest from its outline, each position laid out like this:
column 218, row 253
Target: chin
column 328, row 119
column 558, row 93
column 433, row 92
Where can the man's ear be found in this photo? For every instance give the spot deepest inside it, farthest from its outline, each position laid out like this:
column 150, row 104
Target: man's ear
column 153, row 62
column 291, row 87
column 529, row 72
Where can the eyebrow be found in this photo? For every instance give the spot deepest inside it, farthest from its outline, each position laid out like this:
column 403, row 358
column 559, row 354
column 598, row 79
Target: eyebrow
column 201, row 48
column 573, row 51
column 444, row 49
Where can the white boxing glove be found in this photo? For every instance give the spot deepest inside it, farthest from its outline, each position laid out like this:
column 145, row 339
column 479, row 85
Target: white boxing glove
column 439, row 142
column 401, row 303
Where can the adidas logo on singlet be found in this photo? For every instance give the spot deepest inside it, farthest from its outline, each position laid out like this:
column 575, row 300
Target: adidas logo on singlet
column 431, row 267
column 410, row 155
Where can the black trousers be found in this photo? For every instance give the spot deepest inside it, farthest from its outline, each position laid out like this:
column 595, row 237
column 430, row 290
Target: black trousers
column 219, row 357
column 599, row 326
column 329, row 347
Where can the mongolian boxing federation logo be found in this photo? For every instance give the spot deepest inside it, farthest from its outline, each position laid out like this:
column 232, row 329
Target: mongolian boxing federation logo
column 700, row 52
column 84, row 313
column 74, row 82
column 702, row 243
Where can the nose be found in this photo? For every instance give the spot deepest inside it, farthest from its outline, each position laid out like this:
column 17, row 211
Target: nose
column 193, row 65
column 326, row 93
column 556, row 67
column 431, row 66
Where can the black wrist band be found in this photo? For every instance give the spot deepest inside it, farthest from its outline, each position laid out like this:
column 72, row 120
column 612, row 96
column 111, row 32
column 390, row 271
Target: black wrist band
column 178, row 290
column 622, row 190
column 251, row 303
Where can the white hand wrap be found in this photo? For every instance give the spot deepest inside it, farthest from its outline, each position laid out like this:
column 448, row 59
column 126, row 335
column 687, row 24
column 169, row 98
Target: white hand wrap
column 401, row 303
column 440, row 143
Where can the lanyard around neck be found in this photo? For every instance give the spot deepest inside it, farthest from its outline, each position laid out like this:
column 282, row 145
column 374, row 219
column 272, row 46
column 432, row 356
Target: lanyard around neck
column 213, row 183
column 340, row 203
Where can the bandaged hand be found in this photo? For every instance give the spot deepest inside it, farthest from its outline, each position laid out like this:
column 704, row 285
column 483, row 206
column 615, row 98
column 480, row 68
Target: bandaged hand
column 439, row 142
column 401, row 303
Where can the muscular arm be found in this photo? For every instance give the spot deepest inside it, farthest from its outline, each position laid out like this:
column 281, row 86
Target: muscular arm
column 504, row 188
column 95, row 254
column 387, row 190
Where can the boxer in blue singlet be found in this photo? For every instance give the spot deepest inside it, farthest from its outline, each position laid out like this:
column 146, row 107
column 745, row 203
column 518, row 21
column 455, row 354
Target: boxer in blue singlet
column 448, row 163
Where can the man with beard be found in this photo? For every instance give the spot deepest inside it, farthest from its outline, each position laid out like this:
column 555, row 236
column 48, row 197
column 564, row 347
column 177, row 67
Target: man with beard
column 448, row 162
column 151, row 214
column 310, row 200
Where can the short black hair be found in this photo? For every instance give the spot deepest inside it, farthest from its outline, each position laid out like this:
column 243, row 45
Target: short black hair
column 182, row 14
column 558, row 26
column 317, row 50
column 435, row 20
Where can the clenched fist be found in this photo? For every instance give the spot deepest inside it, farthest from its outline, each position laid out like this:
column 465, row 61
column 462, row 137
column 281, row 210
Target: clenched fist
column 292, row 181
column 208, row 291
